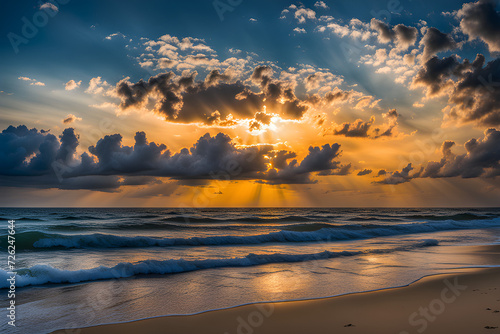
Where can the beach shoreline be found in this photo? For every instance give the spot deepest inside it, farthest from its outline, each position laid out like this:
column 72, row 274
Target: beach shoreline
column 464, row 301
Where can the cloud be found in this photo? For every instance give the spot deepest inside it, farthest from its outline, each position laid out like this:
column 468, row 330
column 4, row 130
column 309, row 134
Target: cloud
column 320, row 160
column 482, row 158
column 147, row 63
column 300, row 30
column 97, row 86
column 380, row 57
column 302, row 14
column 357, row 128
column 434, row 41
column 116, row 34
column 33, row 82
column 399, row 177
column 362, row 129
column 321, row 4
column 480, row 20
column 435, row 75
column 385, row 69
column 184, row 99
column 409, row 59
column 364, row 172
column 72, row 84
column 49, row 6
column 473, row 88
column 70, row 119
column 405, row 36
column 355, row 29
column 30, row 158
column 337, row 96
column 385, row 33
column 476, row 97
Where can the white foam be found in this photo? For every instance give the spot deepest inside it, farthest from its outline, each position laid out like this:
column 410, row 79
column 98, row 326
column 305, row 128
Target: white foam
column 43, row 274
column 345, row 232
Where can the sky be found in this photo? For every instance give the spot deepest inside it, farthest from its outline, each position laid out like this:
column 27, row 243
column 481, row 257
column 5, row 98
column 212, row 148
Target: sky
column 236, row 103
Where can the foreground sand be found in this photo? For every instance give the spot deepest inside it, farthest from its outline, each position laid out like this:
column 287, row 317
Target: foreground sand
column 465, row 302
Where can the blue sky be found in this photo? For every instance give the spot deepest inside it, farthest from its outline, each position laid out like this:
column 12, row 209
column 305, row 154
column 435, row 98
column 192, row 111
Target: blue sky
column 82, row 49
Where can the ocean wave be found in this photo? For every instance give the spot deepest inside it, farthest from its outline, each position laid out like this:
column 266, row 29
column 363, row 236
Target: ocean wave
column 44, row 274
column 372, row 218
column 23, row 219
column 41, row 240
column 78, row 218
column 120, row 226
column 254, row 220
column 457, row 217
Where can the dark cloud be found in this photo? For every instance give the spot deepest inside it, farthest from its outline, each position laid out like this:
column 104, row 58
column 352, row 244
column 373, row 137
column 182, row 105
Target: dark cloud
column 392, row 122
column 319, row 160
column 185, row 100
column 481, row 20
column 398, row 177
column 434, row 41
column 405, row 36
column 17, row 145
column 342, row 170
column 474, row 89
column 32, row 159
column 357, row 128
column 29, row 158
column 364, row 172
column 385, row 33
column 70, row 119
column 482, row 159
column 476, row 96
column 280, row 158
column 69, row 143
column 338, row 95
column 362, row 129
column 214, row 77
column 435, row 73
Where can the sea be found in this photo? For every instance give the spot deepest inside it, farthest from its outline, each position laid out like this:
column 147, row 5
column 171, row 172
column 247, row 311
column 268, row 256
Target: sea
column 79, row 267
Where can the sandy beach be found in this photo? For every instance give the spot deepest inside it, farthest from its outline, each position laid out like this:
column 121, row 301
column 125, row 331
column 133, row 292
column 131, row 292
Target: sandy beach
column 464, row 301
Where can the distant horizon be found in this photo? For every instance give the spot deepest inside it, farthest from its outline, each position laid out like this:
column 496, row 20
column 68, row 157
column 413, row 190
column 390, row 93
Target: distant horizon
column 248, row 207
